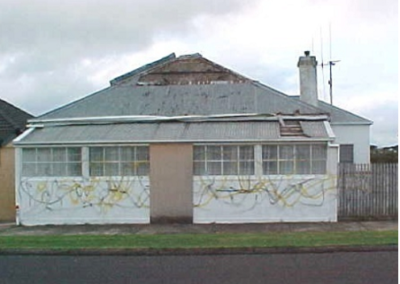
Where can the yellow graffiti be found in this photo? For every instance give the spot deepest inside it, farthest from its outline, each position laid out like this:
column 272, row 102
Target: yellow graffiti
column 102, row 193
column 286, row 191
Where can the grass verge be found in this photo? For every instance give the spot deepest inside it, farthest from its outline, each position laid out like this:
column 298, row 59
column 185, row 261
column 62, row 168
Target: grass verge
column 171, row 241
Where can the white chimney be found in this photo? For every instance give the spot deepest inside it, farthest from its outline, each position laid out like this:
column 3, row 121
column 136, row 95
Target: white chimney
column 308, row 79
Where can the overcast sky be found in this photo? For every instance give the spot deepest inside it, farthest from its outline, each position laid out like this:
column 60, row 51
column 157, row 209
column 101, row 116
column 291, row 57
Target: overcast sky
column 54, row 52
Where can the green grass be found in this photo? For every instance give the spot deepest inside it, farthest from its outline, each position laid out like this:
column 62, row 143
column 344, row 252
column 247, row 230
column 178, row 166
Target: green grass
column 170, row 241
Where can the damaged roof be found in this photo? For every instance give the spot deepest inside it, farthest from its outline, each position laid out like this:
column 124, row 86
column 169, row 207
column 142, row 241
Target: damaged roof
column 196, row 132
column 190, row 85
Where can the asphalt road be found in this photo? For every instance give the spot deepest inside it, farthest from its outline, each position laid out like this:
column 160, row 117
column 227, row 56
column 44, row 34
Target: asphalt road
column 326, row 268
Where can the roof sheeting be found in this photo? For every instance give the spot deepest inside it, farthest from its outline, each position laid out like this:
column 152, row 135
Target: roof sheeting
column 12, row 121
column 314, row 129
column 165, row 132
column 338, row 115
column 199, row 92
column 176, row 100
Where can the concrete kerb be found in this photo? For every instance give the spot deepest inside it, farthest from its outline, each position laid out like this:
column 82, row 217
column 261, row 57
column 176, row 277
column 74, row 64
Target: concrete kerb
column 199, row 251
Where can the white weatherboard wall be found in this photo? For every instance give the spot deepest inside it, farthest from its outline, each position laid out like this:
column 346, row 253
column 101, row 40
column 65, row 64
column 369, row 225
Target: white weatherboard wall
column 358, row 135
column 75, row 201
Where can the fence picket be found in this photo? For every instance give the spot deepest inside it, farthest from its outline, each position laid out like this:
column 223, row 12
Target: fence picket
column 367, row 191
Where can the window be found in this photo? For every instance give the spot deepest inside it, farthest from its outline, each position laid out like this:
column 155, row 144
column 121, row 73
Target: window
column 60, row 161
column 293, row 159
column 223, row 160
column 346, row 153
column 119, row 161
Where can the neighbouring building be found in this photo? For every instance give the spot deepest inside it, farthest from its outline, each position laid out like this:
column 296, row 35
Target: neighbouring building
column 12, row 123
column 184, row 139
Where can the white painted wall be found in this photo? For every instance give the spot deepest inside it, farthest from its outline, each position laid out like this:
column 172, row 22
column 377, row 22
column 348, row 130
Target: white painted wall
column 44, row 201
column 284, row 198
column 267, row 199
column 358, row 135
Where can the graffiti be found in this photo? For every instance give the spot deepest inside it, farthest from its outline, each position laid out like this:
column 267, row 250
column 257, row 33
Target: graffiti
column 101, row 194
column 285, row 191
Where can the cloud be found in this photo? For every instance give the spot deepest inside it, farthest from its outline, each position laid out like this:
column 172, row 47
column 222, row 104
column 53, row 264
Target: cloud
column 43, row 43
column 384, row 131
column 53, row 52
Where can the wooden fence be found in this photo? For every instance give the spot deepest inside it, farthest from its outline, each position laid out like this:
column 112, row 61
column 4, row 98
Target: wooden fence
column 367, row 191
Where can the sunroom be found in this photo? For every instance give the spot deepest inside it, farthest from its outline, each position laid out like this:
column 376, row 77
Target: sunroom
column 186, row 169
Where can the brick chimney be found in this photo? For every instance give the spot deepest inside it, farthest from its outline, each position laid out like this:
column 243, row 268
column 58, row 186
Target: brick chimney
column 308, row 79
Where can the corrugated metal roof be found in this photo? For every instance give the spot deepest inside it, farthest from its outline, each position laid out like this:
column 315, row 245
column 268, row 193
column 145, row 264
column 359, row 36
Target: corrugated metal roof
column 314, row 129
column 126, row 98
column 175, row 100
column 339, row 115
column 166, row 132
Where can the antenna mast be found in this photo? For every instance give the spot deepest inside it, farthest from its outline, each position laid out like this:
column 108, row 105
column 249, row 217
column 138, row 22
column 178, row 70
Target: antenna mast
column 331, row 63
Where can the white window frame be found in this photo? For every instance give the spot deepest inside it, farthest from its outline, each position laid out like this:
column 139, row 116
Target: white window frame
column 259, row 161
column 206, row 161
column 50, row 163
column 138, row 165
column 294, row 159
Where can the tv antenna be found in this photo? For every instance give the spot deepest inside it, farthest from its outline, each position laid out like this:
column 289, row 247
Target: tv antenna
column 330, row 63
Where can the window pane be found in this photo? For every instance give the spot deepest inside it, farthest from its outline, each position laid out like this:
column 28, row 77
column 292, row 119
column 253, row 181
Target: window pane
column 346, row 153
column 74, row 154
column 229, row 153
column 230, row 168
column 286, row 168
column 214, row 153
column 143, row 169
column 96, row 169
column 59, row 155
column 111, row 154
column 111, row 169
column 96, row 154
column 319, row 167
column 303, row 152
column 29, row 155
column 214, row 168
column 199, row 153
column 74, row 169
column 199, row 168
column 127, row 154
column 142, row 153
column 270, row 152
column 59, row 169
column 128, row 169
column 44, row 169
column 286, row 152
column 29, row 170
column 246, row 168
column 270, row 168
column 246, row 153
column 44, row 155
column 318, row 152
column 303, row 167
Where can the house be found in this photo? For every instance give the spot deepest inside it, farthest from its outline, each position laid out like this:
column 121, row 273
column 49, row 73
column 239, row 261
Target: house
column 184, row 139
column 12, row 123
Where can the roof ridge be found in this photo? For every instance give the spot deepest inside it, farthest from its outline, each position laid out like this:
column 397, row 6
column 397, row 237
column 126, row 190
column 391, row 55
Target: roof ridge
column 5, row 117
column 73, row 102
column 336, row 108
column 9, row 111
column 261, row 85
column 143, row 68
column 341, row 109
